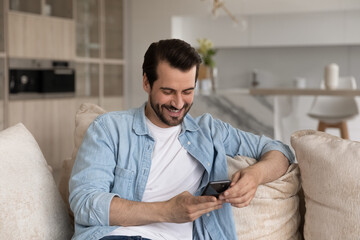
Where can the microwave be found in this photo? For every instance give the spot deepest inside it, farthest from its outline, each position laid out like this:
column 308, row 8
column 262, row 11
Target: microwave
column 54, row 80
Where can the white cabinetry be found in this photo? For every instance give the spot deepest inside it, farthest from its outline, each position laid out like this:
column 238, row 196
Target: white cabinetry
column 301, row 29
column 282, row 29
column 297, row 29
column 43, row 37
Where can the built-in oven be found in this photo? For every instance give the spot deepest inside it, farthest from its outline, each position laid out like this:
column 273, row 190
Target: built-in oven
column 41, row 76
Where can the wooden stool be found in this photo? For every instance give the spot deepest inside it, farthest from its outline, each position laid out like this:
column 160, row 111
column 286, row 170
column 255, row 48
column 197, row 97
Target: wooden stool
column 342, row 126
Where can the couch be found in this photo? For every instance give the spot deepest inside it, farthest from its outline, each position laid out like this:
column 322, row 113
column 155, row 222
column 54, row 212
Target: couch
column 32, row 206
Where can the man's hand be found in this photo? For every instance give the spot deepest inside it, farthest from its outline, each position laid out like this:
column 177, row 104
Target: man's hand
column 243, row 187
column 245, row 182
column 186, row 207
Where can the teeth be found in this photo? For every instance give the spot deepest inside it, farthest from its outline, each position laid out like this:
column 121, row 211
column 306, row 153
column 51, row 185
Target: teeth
column 175, row 111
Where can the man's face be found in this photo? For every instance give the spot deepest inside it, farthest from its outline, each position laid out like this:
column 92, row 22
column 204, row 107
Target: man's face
column 171, row 95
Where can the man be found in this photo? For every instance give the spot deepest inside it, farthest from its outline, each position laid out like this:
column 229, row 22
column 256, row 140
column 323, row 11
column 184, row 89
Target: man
column 141, row 172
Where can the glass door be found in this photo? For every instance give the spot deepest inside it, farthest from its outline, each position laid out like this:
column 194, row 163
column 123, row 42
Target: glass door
column 2, row 102
column 28, row 6
column 2, row 57
column 113, row 56
column 99, row 51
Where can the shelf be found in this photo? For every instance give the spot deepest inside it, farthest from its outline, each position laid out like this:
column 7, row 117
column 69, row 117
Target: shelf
column 34, row 96
column 303, row 92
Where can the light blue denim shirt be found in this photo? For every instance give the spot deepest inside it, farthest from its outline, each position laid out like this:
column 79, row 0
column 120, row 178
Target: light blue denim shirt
column 114, row 159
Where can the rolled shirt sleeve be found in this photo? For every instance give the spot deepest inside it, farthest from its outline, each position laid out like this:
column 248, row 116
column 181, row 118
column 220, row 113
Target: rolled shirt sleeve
column 237, row 142
column 92, row 177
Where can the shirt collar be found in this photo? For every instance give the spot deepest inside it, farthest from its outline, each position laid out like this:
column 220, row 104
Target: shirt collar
column 140, row 128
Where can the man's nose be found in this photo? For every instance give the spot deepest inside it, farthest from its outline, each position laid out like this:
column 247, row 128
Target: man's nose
column 177, row 101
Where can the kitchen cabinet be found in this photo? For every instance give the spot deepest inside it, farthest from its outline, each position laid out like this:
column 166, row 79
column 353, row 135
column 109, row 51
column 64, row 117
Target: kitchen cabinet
column 41, row 29
column 2, row 48
column 40, row 37
column 87, row 79
column 112, row 74
column 113, row 29
column 2, row 102
column 304, row 29
column 58, row 8
column 99, row 50
column 272, row 30
column 90, row 39
column 2, row 67
column 28, row 6
column 54, row 8
column 87, row 28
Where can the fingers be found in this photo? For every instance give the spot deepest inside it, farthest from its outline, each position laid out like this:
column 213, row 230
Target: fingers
column 242, row 189
column 207, row 203
column 194, row 207
column 204, row 199
column 235, row 178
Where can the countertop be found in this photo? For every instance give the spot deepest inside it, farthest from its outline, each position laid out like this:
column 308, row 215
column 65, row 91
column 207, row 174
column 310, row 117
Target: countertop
column 291, row 91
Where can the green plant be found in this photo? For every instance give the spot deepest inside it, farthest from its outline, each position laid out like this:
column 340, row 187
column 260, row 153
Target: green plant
column 207, row 51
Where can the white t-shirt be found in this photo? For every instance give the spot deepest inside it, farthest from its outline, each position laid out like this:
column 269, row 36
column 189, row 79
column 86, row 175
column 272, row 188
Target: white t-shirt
column 173, row 171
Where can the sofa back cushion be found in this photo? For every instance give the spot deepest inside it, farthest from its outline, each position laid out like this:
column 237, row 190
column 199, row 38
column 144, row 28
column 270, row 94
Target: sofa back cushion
column 330, row 174
column 30, row 204
column 273, row 213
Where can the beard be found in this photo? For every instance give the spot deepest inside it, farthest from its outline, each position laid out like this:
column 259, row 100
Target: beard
column 169, row 120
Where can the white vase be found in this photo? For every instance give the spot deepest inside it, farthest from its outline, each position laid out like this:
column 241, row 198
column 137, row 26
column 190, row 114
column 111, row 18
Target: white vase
column 207, row 80
column 331, row 76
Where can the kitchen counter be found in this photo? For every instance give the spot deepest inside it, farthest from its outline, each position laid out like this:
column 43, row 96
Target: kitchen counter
column 290, row 91
column 303, row 92
column 275, row 112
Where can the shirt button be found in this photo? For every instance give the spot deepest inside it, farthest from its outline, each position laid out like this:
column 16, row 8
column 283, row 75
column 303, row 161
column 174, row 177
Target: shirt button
column 189, row 142
column 208, row 164
column 208, row 215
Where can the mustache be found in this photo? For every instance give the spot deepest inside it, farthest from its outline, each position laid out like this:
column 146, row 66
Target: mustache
column 174, row 108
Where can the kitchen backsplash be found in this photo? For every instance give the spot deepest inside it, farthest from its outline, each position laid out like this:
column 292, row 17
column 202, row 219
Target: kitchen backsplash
column 279, row 66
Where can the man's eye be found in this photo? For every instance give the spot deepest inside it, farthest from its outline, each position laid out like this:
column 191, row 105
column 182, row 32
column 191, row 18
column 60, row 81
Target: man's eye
column 187, row 92
column 167, row 92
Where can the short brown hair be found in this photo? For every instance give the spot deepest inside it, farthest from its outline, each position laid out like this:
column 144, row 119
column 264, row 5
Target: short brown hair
column 178, row 53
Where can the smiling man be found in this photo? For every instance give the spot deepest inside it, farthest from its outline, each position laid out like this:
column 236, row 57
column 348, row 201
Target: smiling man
column 139, row 174
column 169, row 101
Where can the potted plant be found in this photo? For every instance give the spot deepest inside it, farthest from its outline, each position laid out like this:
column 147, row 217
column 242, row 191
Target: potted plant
column 207, row 68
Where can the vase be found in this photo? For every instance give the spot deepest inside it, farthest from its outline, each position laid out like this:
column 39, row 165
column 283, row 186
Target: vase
column 331, row 76
column 207, row 79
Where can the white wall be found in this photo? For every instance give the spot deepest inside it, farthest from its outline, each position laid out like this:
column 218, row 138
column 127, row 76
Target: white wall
column 151, row 20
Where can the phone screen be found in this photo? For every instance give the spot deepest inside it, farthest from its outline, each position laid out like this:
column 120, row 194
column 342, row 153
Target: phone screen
column 215, row 188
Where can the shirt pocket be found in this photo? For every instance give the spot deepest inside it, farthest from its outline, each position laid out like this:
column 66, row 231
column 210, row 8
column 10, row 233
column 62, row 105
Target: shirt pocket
column 123, row 182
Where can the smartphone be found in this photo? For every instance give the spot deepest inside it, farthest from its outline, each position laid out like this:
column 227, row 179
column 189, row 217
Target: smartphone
column 215, row 188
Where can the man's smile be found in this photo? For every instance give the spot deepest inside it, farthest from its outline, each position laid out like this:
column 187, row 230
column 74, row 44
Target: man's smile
column 174, row 112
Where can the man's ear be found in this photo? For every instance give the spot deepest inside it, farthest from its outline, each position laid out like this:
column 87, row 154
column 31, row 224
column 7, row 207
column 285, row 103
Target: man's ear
column 146, row 84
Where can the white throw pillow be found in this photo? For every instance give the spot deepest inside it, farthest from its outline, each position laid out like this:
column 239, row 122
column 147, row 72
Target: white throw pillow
column 273, row 214
column 30, row 204
column 330, row 173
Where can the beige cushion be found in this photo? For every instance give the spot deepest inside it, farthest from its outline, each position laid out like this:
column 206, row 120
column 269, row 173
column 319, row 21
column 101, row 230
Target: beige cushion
column 330, row 170
column 273, row 213
column 84, row 117
column 30, row 204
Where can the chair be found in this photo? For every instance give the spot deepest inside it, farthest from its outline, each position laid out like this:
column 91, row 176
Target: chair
column 333, row 111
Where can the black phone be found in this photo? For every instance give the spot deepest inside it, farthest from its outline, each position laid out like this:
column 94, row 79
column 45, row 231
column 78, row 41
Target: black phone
column 215, row 188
